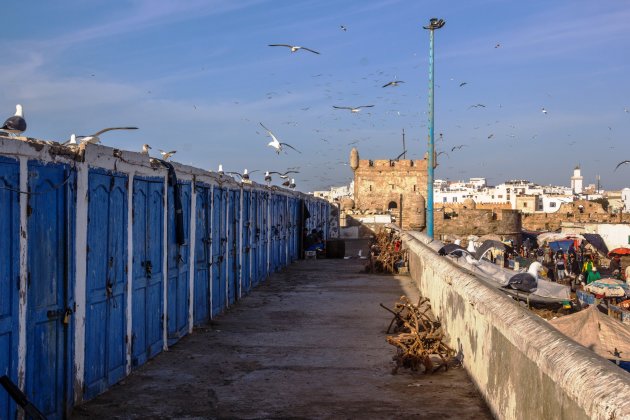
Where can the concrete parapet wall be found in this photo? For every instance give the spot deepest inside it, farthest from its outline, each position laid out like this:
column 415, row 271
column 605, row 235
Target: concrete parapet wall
column 523, row 367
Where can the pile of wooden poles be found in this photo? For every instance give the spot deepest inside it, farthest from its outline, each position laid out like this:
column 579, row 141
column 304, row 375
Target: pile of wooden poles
column 419, row 339
column 385, row 251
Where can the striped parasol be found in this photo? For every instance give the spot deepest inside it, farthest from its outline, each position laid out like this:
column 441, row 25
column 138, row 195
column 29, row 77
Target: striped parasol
column 608, row 287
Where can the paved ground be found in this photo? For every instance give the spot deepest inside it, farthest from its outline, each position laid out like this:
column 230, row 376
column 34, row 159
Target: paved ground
column 308, row 343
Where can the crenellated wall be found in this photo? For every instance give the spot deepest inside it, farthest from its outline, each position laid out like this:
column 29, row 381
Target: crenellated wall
column 523, row 367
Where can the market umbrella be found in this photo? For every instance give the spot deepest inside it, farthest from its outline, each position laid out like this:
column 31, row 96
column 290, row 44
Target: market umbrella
column 619, row 251
column 608, row 287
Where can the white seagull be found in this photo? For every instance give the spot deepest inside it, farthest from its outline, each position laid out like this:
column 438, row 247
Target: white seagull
column 544, row 111
column 393, row 83
column 275, row 143
column 94, row 138
column 284, row 175
column 16, row 124
column 145, row 149
column 167, row 155
column 353, row 109
column 294, row 48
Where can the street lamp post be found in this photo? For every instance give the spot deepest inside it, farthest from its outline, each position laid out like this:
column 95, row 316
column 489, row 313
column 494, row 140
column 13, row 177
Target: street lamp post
column 433, row 25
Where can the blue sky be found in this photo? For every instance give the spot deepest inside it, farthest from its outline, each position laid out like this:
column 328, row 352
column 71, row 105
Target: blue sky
column 197, row 76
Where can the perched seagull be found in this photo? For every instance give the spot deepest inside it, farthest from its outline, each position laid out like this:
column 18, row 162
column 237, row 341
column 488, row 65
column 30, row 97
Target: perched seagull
column 286, row 183
column 267, row 177
column 394, row 83
column 167, row 155
column 544, row 111
column 292, row 184
column 294, row 48
column 355, row 109
column 621, row 163
column 220, row 171
column 16, row 124
column 73, row 140
column 275, row 143
column 94, row 138
column 145, row 149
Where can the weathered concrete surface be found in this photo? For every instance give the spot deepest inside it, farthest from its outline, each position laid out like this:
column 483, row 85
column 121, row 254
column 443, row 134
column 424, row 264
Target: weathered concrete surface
column 309, row 343
column 525, row 368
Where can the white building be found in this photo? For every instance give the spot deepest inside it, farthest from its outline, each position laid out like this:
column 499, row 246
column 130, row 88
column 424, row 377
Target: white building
column 576, row 181
column 625, row 198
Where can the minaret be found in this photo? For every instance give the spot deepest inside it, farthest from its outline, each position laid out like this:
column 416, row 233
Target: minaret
column 576, row 181
column 354, row 164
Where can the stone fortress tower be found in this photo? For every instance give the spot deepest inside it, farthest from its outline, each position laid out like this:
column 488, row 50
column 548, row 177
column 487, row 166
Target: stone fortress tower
column 576, row 181
column 391, row 185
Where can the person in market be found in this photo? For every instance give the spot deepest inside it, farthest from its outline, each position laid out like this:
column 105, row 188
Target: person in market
column 593, row 275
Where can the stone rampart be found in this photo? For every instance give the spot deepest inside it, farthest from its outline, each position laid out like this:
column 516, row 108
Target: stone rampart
column 523, row 367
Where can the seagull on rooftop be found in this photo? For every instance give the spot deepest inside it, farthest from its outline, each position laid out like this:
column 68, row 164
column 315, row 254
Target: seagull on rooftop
column 393, row 83
column 145, row 149
column 294, row 48
column 275, row 143
column 73, row 140
column 355, row 109
column 167, row 155
column 16, row 124
column 94, row 138
column 267, row 177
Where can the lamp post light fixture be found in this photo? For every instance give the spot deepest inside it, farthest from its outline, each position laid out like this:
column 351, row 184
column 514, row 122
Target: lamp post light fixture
column 434, row 24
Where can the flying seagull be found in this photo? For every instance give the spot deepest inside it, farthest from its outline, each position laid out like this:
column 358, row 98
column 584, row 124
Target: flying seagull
column 294, row 48
column 462, row 84
column 145, row 149
column 393, row 83
column 94, row 138
column 167, row 155
column 621, row 163
column 544, row 111
column 16, row 124
column 275, row 143
column 477, row 106
column 353, row 109
column 284, row 175
column 457, row 147
column 343, row 28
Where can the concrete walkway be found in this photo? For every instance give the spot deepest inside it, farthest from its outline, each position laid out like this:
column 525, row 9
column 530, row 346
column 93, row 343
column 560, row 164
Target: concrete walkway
column 308, row 343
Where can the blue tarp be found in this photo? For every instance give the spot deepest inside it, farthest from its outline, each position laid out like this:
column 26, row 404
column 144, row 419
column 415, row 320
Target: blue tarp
column 597, row 241
column 565, row 244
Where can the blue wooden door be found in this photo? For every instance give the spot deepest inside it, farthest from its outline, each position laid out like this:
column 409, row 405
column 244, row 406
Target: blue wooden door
column 147, row 298
column 265, row 248
column 219, row 240
column 50, row 281
column 203, row 239
column 233, row 245
column 255, row 238
column 9, row 276
column 246, row 280
column 106, row 282
column 178, row 296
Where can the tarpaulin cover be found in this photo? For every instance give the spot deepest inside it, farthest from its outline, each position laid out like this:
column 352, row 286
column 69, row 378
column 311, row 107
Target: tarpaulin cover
column 597, row 331
column 565, row 244
column 597, row 242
